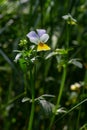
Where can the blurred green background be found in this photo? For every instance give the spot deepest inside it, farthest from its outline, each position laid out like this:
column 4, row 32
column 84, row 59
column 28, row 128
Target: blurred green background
column 17, row 18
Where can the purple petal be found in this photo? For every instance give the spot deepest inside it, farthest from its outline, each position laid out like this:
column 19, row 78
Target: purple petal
column 41, row 32
column 32, row 34
column 34, row 38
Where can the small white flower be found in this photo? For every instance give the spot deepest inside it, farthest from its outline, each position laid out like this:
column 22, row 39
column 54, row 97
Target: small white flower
column 40, row 37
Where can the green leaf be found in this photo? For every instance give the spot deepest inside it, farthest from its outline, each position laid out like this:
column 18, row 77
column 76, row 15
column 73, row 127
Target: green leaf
column 50, row 55
column 22, row 64
column 84, row 127
column 58, row 52
column 17, row 57
column 59, row 111
column 25, row 99
column 44, row 96
column 48, row 95
column 76, row 63
column 61, row 51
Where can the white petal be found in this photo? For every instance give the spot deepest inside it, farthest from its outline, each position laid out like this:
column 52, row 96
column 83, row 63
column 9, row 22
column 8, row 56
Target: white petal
column 44, row 38
column 34, row 40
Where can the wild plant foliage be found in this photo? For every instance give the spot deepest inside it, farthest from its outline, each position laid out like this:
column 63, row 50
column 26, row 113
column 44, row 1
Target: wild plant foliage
column 43, row 65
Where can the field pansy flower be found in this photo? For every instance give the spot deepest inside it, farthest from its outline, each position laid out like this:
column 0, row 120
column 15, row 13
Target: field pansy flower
column 40, row 37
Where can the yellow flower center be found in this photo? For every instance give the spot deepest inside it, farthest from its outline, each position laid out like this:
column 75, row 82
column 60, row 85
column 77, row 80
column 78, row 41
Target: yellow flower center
column 41, row 44
column 43, row 47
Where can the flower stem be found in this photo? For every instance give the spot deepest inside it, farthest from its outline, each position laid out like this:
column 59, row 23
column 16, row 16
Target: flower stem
column 33, row 103
column 59, row 96
column 31, row 116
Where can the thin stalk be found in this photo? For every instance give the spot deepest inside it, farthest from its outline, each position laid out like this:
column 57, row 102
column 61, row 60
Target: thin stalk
column 13, row 100
column 33, row 102
column 73, row 108
column 67, row 35
column 41, row 9
column 59, row 96
column 78, row 118
column 9, row 91
column 22, row 21
column 85, row 78
column 31, row 116
column 79, row 114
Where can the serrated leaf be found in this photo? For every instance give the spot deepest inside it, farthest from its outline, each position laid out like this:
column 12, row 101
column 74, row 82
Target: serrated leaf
column 46, row 107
